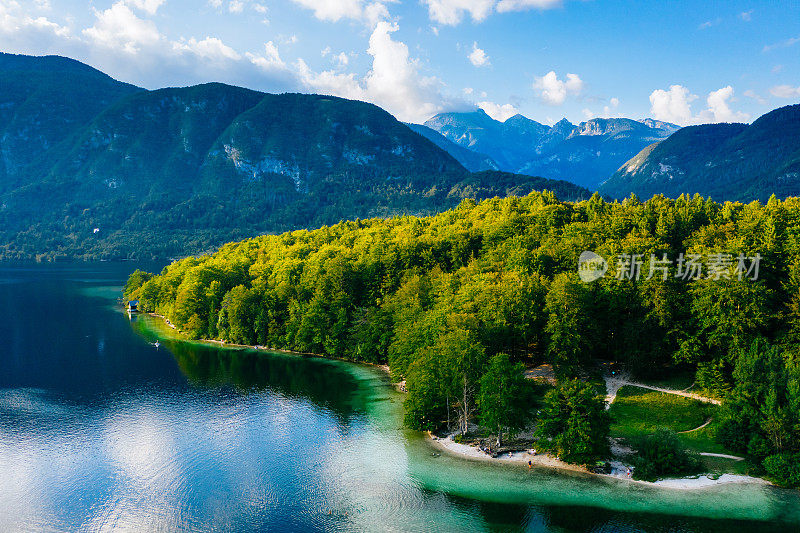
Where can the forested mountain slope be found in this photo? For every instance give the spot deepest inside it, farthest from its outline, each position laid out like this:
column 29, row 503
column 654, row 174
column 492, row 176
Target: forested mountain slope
column 725, row 161
column 93, row 168
column 43, row 101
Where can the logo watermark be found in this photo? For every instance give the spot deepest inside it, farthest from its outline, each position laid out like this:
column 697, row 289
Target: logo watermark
column 716, row 266
column 591, row 267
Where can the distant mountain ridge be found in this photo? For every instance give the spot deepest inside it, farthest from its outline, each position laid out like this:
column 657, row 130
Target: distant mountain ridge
column 585, row 154
column 737, row 162
column 94, row 168
column 471, row 160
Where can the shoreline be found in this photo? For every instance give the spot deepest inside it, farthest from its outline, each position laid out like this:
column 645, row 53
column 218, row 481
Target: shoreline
column 260, row 348
column 619, row 469
column 469, row 452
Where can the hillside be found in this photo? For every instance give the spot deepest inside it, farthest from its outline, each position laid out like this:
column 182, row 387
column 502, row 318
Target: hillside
column 585, row 154
column 472, row 161
column 724, row 161
column 43, row 101
column 98, row 169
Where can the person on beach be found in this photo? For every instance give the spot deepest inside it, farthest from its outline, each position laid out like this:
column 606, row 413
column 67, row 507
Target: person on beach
column 530, row 464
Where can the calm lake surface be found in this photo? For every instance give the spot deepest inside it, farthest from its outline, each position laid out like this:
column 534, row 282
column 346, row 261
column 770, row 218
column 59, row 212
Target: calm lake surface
column 99, row 430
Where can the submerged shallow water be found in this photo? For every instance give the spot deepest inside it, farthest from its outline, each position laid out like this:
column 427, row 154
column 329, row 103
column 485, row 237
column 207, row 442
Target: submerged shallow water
column 101, row 430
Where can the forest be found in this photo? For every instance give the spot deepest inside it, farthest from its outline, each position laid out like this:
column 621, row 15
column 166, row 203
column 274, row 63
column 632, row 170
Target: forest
column 459, row 303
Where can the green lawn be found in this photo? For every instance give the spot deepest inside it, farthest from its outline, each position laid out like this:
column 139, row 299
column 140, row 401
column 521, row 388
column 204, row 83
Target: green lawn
column 726, row 466
column 702, row 440
column 638, row 411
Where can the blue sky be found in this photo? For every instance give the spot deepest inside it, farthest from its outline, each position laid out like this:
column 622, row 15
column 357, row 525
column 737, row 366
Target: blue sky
column 685, row 62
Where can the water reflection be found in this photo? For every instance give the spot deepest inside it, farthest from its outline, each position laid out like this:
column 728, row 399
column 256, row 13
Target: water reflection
column 328, row 385
column 101, row 430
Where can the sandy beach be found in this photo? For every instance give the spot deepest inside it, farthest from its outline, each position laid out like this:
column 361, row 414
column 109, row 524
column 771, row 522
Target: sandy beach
column 619, row 469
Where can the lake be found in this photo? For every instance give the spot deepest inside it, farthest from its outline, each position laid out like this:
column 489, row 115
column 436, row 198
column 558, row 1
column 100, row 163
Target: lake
column 102, row 430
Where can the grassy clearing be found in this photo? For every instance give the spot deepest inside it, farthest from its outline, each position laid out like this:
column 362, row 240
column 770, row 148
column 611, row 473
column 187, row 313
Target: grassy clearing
column 726, row 466
column 702, row 440
column 638, row 411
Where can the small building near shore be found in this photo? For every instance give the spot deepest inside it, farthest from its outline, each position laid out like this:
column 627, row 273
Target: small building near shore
column 133, row 306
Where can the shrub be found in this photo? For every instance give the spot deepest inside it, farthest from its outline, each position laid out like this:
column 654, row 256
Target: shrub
column 661, row 454
column 783, row 468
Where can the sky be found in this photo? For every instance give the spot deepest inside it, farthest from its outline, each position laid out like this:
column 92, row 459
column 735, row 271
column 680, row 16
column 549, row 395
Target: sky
column 687, row 62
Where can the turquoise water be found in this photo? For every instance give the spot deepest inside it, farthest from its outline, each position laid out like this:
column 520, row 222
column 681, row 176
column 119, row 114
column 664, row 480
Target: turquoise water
column 100, row 430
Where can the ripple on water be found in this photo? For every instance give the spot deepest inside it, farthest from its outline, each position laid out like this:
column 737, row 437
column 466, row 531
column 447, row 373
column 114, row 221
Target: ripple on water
column 192, row 438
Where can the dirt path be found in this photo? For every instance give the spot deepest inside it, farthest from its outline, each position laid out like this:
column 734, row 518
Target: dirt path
column 723, row 455
column 613, row 384
column 707, row 422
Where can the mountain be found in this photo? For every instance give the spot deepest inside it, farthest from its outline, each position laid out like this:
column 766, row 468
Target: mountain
column 585, row 154
column 93, row 168
column 44, row 100
column 472, row 161
column 725, row 161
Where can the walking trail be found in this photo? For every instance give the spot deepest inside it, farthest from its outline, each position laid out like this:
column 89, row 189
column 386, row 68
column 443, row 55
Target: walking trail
column 614, row 383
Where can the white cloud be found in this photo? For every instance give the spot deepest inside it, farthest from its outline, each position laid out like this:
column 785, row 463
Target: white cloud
column 746, row 16
column 335, row 10
column 119, row 28
column 468, row 90
column 709, row 23
column 499, row 112
column 341, row 59
column 587, row 114
column 785, row 91
column 236, row 6
column 271, row 59
column 755, row 96
column 554, row 91
column 210, row 48
column 609, row 110
column 783, row 44
column 478, row 56
column 9, row 22
column 718, row 108
column 130, row 48
column 148, row 6
column 675, row 106
column 394, row 82
column 522, row 5
column 451, row 12
column 260, row 8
